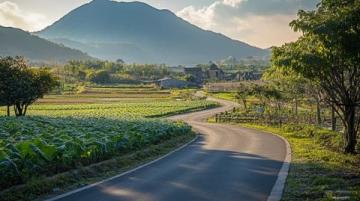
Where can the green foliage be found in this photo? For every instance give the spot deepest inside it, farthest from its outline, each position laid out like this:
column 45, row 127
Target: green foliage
column 319, row 171
column 264, row 92
column 21, row 86
column 11, row 72
column 128, row 109
column 100, row 77
column 39, row 146
column 244, row 91
column 328, row 54
column 106, row 72
column 69, row 180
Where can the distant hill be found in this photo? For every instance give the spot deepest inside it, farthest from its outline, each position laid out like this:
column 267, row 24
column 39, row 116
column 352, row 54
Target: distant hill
column 16, row 42
column 137, row 32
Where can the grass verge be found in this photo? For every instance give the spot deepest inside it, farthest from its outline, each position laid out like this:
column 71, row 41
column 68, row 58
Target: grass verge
column 319, row 171
column 45, row 187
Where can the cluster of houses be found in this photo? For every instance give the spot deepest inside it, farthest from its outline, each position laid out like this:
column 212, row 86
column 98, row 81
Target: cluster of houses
column 198, row 76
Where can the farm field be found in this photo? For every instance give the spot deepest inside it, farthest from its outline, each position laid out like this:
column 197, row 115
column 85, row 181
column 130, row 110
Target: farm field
column 121, row 109
column 42, row 146
column 64, row 132
column 115, row 102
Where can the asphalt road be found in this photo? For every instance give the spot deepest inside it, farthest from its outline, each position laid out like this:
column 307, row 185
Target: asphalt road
column 225, row 163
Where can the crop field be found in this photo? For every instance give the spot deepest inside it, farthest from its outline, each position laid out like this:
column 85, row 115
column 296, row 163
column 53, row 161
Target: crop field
column 123, row 109
column 65, row 132
column 42, row 146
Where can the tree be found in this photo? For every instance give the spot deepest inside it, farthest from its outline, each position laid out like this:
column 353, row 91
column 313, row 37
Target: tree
column 100, row 77
column 10, row 69
column 21, row 86
column 291, row 84
column 242, row 94
column 328, row 54
column 120, row 61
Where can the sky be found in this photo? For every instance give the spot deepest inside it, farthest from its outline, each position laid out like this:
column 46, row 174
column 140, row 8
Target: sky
column 262, row 23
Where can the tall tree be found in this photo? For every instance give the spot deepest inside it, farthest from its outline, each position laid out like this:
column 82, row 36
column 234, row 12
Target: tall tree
column 328, row 53
column 10, row 73
column 242, row 94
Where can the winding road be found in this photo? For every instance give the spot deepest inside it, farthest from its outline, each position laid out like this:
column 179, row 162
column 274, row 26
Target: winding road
column 224, row 163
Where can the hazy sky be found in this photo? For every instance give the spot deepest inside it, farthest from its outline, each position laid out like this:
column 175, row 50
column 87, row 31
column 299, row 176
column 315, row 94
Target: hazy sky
column 262, row 23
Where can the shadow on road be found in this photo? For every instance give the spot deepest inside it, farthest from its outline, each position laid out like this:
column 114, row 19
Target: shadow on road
column 205, row 175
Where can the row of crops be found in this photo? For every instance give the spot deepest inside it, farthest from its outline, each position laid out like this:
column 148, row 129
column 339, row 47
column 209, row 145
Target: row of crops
column 120, row 109
column 44, row 146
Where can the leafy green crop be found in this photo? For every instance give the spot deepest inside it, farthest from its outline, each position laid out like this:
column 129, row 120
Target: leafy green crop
column 43, row 146
column 119, row 110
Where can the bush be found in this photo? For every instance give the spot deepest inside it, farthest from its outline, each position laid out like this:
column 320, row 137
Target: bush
column 100, row 77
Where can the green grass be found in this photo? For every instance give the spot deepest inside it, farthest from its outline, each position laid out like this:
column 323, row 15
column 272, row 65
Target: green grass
column 318, row 169
column 224, row 95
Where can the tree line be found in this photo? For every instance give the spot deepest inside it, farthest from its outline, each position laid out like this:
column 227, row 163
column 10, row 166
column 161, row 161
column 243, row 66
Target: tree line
column 107, row 72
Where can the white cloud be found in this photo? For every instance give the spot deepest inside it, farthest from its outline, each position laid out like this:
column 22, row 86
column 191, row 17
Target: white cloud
column 12, row 16
column 231, row 18
column 232, row 3
column 201, row 17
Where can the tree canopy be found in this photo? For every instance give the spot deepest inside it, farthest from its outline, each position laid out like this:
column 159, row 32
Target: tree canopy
column 328, row 54
column 20, row 86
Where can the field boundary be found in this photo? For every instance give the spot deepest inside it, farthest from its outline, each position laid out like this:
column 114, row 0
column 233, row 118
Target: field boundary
column 124, row 173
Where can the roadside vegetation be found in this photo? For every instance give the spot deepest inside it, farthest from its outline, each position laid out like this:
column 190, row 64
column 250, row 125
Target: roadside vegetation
column 319, row 170
column 311, row 96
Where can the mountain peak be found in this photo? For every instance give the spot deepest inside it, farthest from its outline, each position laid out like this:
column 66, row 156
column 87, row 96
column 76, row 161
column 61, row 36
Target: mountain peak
column 100, row 1
column 121, row 3
column 137, row 32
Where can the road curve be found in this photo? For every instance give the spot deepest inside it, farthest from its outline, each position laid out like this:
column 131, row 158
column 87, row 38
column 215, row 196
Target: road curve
column 225, row 163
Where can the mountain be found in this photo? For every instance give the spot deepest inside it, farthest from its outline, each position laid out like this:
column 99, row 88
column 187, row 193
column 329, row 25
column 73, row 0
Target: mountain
column 16, row 42
column 137, row 32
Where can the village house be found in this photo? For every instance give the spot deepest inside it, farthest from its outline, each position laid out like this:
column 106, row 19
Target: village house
column 197, row 73
column 215, row 73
